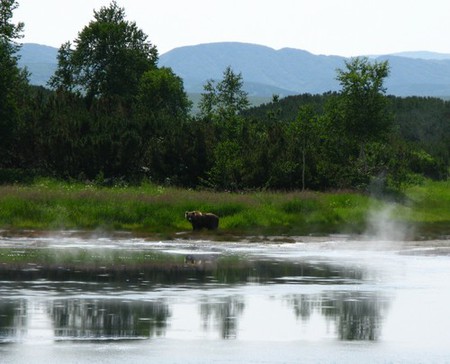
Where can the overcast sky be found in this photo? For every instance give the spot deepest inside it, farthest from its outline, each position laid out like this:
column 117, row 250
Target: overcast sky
column 338, row 27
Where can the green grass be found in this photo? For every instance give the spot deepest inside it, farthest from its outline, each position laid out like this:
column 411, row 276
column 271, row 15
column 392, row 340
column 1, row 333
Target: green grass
column 50, row 205
column 429, row 207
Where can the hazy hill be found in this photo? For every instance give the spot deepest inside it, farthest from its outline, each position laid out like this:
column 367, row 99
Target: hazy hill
column 267, row 71
column 285, row 72
column 40, row 61
column 423, row 55
column 295, row 71
column 418, row 77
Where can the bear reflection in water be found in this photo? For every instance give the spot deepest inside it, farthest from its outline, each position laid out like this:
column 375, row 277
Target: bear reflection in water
column 201, row 261
column 200, row 220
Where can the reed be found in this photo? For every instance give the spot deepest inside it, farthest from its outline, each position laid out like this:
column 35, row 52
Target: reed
column 154, row 209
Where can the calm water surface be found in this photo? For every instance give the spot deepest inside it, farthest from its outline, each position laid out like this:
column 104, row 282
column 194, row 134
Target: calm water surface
column 316, row 300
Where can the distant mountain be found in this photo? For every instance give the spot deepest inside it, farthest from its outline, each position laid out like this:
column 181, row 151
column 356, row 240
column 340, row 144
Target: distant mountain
column 296, row 71
column 418, row 77
column 267, row 71
column 423, row 55
column 40, row 61
column 284, row 72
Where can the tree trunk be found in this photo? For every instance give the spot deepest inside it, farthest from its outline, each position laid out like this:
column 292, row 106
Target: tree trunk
column 303, row 169
column 362, row 155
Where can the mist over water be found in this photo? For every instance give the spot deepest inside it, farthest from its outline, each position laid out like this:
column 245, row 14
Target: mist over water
column 382, row 226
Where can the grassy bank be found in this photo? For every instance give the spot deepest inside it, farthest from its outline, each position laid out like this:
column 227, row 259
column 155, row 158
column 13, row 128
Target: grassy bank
column 49, row 205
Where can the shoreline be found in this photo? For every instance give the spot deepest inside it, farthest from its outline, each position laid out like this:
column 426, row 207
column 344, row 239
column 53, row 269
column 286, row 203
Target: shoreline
column 207, row 236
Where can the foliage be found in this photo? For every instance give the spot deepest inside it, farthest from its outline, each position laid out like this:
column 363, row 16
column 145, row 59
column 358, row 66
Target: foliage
column 115, row 114
column 161, row 95
column 12, row 81
column 304, row 131
column 363, row 101
column 226, row 99
column 222, row 104
column 362, row 114
column 109, row 58
column 114, row 118
column 64, row 78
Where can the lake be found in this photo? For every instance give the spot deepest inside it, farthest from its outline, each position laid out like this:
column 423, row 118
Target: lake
column 74, row 297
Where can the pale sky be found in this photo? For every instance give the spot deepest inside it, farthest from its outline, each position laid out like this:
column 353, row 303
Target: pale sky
column 337, row 27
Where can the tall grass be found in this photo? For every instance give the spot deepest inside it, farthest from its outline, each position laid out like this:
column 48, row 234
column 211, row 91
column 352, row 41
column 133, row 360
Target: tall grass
column 429, row 207
column 154, row 209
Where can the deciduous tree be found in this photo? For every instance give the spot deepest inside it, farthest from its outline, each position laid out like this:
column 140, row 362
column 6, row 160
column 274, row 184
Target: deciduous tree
column 222, row 102
column 110, row 56
column 13, row 80
column 364, row 104
column 303, row 130
column 225, row 99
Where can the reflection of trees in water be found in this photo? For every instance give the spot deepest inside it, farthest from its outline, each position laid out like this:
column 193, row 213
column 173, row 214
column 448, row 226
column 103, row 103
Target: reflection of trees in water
column 225, row 313
column 92, row 319
column 357, row 315
column 198, row 270
column 13, row 320
column 306, row 272
column 360, row 317
column 303, row 305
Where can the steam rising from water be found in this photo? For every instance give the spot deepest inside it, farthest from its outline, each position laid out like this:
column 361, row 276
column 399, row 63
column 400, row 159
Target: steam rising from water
column 382, row 222
column 383, row 226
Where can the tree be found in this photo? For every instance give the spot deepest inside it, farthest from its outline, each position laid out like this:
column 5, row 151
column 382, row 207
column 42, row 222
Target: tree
column 364, row 104
column 226, row 99
column 9, row 32
column 13, row 80
column 303, row 130
column 161, row 92
column 110, row 56
column 162, row 106
column 222, row 103
column 64, row 76
column 135, row 110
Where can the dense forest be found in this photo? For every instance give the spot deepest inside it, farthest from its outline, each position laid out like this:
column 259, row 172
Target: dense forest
column 110, row 115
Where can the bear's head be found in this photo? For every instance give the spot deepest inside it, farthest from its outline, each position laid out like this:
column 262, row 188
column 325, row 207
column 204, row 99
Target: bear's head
column 192, row 215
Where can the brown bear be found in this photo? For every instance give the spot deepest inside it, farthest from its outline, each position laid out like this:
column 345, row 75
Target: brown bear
column 200, row 220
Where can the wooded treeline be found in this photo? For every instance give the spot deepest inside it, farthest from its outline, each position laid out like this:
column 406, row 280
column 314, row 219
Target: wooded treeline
column 111, row 115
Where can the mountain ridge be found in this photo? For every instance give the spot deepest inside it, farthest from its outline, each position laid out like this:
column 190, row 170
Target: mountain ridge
column 288, row 69
column 266, row 71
